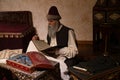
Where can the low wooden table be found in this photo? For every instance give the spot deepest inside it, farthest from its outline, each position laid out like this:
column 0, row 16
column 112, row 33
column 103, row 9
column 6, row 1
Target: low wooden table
column 36, row 75
column 110, row 74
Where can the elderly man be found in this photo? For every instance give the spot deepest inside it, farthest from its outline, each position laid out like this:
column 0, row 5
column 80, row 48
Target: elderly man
column 59, row 35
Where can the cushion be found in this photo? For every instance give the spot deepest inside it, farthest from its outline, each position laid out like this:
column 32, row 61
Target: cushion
column 14, row 28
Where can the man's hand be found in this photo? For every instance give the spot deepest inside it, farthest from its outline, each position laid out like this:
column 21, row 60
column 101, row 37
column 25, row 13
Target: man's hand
column 35, row 37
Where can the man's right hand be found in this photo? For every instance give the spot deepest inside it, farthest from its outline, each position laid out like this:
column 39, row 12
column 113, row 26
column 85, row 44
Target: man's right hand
column 35, row 37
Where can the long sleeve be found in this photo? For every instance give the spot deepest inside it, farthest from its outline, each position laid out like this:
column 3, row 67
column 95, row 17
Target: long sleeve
column 71, row 50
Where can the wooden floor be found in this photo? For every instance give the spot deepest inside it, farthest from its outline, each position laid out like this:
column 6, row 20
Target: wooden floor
column 86, row 51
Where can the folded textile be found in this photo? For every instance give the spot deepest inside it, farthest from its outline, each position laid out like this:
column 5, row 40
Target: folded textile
column 5, row 54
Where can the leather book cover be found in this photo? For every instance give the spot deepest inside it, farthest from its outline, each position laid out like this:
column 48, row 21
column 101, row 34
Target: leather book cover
column 39, row 60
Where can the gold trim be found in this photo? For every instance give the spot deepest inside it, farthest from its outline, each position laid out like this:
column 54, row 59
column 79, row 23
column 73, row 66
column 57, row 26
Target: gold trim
column 85, row 42
column 15, row 35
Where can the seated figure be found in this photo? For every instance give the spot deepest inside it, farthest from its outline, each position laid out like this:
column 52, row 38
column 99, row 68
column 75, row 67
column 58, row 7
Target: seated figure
column 59, row 35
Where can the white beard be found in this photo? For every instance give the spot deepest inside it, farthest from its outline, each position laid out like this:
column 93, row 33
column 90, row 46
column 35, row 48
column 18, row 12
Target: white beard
column 53, row 29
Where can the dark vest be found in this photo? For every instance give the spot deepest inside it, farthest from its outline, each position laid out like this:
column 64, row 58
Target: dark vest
column 61, row 37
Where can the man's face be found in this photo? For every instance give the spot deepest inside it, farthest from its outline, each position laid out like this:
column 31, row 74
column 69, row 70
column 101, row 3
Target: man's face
column 52, row 23
column 53, row 27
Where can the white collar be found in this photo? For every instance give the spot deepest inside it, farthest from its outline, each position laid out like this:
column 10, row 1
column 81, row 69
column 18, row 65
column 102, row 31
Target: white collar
column 60, row 27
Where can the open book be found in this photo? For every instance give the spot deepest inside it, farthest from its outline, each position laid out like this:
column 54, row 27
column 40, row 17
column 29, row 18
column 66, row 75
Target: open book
column 42, row 46
column 30, row 62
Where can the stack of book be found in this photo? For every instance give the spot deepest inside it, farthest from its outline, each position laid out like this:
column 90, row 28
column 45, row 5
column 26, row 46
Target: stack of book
column 97, row 65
